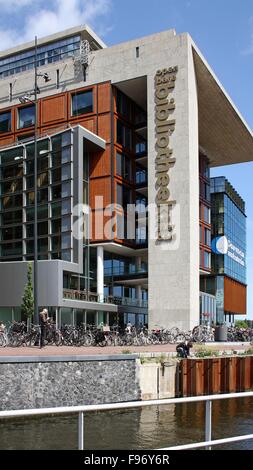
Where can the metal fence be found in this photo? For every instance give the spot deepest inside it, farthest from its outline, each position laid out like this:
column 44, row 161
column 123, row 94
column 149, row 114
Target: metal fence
column 80, row 410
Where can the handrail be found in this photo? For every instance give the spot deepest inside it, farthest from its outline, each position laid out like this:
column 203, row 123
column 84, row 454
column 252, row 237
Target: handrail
column 139, row 404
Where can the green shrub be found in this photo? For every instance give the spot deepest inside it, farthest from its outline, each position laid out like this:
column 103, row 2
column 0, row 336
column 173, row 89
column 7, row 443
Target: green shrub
column 241, row 324
column 205, row 352
column 126, row 351
column 249, row 352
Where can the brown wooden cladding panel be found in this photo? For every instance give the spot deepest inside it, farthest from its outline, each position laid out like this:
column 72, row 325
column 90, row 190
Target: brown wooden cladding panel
column 100, row 163
column 57, row 108
column 89, row 124
column 104, row 98
column 100, row 187
column 235, row 297
column 6, row 140
column 104, row 127
column 54, row 108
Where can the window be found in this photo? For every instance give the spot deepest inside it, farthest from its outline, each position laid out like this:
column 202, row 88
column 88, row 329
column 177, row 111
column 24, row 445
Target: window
column 123, row 165
column 123, row 105
column 207, row 260
column 141, row 176
column 124, row 135
column 9, row 218
column 207, row 237
column 12, row 233
column 11, row 249
column 26, row 116
column 82, row 103
column 141, row 148
column 207, row 215
column 46, row 54
column 124, row 196
column 5, row 122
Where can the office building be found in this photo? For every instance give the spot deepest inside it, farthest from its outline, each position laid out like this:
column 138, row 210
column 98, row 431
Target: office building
column 126, row 135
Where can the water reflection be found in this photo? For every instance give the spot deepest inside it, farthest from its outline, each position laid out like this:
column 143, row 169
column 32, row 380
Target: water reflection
column 146, row 428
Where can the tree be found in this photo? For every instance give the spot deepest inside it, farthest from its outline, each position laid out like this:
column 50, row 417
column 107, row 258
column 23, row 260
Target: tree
column 241, row 324
column 27, row 307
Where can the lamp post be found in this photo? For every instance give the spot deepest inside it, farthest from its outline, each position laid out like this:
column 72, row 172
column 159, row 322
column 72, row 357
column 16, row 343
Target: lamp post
column 35, row 270
column 25, row 99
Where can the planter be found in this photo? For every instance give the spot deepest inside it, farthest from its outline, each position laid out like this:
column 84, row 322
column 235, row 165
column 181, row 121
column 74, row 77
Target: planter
column 221, row 333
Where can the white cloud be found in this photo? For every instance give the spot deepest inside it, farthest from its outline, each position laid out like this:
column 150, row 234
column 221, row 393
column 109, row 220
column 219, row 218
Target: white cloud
column 57, row 16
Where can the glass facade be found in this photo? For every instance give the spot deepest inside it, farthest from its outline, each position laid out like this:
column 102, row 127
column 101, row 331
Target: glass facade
column 54, row 180
column 47, row 54
column 228, row 221
column 204, row 214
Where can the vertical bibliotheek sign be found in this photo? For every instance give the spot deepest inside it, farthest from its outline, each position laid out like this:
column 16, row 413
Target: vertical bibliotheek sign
column 165, row 80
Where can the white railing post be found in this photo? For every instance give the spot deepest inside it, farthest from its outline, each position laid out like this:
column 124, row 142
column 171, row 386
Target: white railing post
column 208, row 423
column 80, row 431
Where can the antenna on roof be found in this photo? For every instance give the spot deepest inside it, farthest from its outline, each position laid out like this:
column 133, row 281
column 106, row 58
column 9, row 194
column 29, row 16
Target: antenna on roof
column 81, row 59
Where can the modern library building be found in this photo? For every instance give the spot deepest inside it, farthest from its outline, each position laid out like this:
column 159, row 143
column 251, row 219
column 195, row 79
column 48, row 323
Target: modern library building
column 130, row 226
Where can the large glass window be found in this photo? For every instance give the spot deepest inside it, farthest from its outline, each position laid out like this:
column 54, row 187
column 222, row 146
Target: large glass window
column 124, row 196
column 123, row 105
column 207, row 260
column 207, row 237
column 5, row 122
column 46, row 54
column 26, row 116
column 124, row 135
column 82, row 103
column 207, row 215
column 123, row 166
column 11, row 249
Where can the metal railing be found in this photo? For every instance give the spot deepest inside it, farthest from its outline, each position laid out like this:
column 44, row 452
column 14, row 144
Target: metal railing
column 85, row 296
column 80, row 410
column 129, row 302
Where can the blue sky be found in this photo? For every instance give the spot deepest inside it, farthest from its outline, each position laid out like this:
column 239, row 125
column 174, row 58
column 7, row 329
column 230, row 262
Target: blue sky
column 222, row 29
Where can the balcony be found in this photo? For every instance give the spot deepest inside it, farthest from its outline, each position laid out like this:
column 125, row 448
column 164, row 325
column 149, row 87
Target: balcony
column 141, row 152
column 84, row 296
column 141, row 178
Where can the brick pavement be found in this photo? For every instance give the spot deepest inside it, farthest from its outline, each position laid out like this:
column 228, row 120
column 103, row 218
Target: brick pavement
column 108, row 350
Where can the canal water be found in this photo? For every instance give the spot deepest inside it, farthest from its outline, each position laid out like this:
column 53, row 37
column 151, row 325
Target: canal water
column 148, row 428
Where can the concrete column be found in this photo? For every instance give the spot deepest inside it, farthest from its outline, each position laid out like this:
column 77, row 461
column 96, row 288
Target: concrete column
column 100, row 273
column 57, row 318
column 138, row 294
column 138, row 263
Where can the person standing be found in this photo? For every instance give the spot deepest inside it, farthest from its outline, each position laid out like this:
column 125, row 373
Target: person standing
column 43, row 322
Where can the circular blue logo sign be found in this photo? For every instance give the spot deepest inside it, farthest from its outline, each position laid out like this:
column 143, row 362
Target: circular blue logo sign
column 220, row 245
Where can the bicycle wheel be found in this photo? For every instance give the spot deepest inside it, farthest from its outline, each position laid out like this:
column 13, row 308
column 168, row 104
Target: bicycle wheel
column 3, row 341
